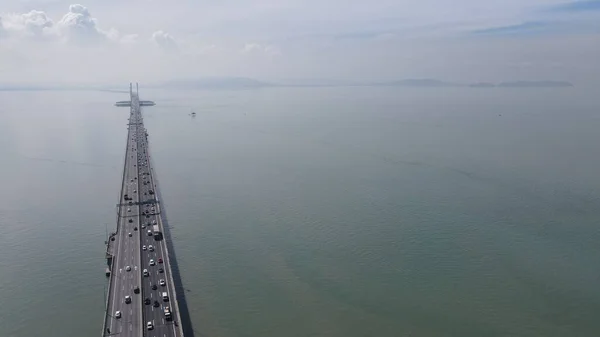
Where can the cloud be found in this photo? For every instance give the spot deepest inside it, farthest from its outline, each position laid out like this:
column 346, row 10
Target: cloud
column 251, row 47
column 579, row 6
column 32, row 24
column 164, row 40
column 518, row 29
column 79, row 26
column 254, row 48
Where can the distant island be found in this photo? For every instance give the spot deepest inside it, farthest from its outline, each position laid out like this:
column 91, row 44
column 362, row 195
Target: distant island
column 247, row 83
column 536, row 84
column 215, row 82
column 428, row 82
column 419, row 82
column 482, row 85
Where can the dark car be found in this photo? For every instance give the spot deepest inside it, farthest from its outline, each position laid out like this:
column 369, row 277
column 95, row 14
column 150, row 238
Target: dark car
column 147, row 301
column 160, row 260
column 161, row 270
column 154, row 287
column 135, row 228
column 156, row 304
column 130, row 220
column 136, row 290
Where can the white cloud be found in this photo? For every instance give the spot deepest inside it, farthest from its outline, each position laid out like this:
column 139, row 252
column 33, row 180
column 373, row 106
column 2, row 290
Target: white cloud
column 255, row 48
column 79, row 26
column 31, row 24
column 164, row 40
column 251, row 47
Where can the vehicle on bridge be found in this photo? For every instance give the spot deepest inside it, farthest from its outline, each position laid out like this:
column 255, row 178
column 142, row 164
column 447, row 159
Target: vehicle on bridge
column 157, row 233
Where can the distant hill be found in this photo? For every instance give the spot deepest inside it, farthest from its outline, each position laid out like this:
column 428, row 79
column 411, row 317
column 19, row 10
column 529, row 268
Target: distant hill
column 426, row 82
column 482, row 85
column 316, row 82
column 535, row 84
column 215, row 82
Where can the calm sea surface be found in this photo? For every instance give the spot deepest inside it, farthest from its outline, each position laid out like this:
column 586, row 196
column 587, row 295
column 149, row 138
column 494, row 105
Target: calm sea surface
column 301, row 212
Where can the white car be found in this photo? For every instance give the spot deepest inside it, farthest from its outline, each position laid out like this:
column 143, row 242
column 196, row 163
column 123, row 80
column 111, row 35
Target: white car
column 128, row 268
column 117, row 314
column 127, row 299
column 151, row 248
column 162, row 282
column 128, row 209
column 146, row 274
column 144, row 247
column 152, row 263
column 150, row 326
column 130, row 234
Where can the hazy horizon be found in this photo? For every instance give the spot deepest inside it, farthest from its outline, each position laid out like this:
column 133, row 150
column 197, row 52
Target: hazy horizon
column 467, row 41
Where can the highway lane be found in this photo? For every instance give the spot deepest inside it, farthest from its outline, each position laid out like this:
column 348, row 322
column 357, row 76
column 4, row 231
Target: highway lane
column 152, row 313
column 127, row 253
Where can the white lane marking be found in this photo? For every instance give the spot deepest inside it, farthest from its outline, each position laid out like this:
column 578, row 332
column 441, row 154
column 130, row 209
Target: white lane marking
column 150, row 294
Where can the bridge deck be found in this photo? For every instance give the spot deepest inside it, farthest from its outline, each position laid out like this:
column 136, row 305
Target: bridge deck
column 132, row 248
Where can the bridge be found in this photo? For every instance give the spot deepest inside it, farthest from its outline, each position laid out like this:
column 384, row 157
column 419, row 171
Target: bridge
column 141, row 298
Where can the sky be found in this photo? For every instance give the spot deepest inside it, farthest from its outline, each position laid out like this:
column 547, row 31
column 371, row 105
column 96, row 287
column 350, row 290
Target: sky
column 111, row 41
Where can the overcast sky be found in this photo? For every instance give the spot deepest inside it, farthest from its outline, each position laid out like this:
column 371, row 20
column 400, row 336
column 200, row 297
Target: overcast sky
column 104, row 41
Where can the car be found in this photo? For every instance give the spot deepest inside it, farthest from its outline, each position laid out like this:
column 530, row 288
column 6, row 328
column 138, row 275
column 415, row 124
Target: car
column 144, row 247
column 152, row 263
column 117, row 314
column 134, row 191
column 136, row 290
column 150, row 326
column 127, row 299
column 128, row 268
column 151, row 248
column 156, row 304
column 143, row 226
column 147, row 301
column 130, row 220
column 160, row 270
column 146, row 273
column 130, row 234
column 160, row 260
column 154, row 287
column 135, row 228
column 162, row 282
column 129, row 209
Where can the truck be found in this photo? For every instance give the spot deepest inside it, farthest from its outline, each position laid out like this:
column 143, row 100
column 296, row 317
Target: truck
column 157, row 233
